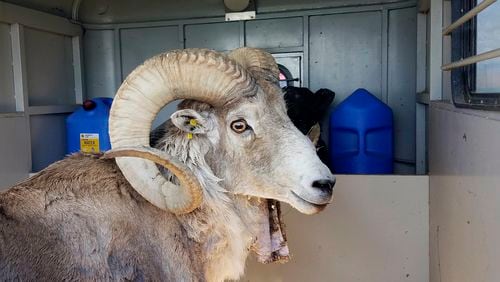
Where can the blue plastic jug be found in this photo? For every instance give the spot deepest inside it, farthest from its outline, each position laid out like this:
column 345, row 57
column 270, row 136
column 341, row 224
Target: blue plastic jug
column 361, row 135
column 87, row 127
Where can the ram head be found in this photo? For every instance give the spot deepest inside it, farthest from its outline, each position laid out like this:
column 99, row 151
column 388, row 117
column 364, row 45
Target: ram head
column 232, row 129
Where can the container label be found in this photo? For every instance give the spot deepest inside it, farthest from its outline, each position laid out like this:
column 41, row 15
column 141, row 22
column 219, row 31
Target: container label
column 89, row 142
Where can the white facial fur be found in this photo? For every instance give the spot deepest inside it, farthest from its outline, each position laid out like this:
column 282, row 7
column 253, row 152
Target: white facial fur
column 271, row 159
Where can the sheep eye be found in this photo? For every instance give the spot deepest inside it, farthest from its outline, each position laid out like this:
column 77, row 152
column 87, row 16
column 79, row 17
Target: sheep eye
column 239, row 126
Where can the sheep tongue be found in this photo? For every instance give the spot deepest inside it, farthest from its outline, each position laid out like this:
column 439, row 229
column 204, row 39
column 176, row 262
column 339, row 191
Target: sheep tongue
column 271, row 245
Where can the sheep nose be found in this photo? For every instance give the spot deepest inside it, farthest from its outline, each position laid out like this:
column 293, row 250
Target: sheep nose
column 325, row 185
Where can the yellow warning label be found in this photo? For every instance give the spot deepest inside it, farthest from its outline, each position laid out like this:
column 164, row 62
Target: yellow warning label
column 89, row 142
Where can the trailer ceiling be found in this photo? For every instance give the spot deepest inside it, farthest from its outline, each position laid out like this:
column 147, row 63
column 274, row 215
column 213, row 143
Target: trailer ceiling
column 56, row 7
column 119, row 11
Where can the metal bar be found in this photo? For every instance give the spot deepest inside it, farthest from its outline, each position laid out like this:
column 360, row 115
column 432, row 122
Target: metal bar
column 291, row 79
column 52, row 109
column 472, row 60
column 12, row 115
column 119, row 77
column 421, row 86
column 421, row 52
column 19, row 72
column 77, row 69
column 21, row 82
column 181, row 36
column 421, row 139
column 384, row 85
column 242, row 33
column 446, row 57
column 304, row 68
column 435, row 50
column 469, row 15
column 285, row 49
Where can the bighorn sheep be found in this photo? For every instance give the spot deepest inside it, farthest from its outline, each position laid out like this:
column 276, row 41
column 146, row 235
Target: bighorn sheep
column 229, row 154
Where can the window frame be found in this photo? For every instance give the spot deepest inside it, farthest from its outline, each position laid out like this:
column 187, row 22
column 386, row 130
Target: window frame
column 290, row 81
column 463, row 79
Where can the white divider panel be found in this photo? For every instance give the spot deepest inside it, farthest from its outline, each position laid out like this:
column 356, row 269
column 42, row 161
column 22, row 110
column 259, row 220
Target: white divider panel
column 376, row 230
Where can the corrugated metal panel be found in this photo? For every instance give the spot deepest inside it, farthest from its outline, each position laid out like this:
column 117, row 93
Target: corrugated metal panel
column 345, row 53
column 49, row 66
column 274, row 33
column 139, row 44
column 14, row 151
column 99, row 62
column 217, row 36
column 370, row 49
column 401, row 84
column 48, row 139
column 7, row 100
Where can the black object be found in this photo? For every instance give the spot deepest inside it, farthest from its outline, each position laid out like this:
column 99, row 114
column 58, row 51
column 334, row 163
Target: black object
column 306, row 108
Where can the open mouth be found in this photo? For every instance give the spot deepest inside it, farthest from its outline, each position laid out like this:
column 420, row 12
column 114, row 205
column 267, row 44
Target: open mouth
column 307, row 203
column 271, row 244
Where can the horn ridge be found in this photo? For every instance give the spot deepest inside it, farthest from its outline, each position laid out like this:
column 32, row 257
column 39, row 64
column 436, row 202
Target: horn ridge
column 259, row 63
column 196, row 74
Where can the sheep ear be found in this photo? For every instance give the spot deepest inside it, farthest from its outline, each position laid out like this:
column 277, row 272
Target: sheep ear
column 190, row 121
column 314, row 133
column 324, row 97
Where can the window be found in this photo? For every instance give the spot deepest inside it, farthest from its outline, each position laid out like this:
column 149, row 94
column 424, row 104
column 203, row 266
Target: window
column 290, row 68
column 476, row 85
column 285, row 77
column 488, row 38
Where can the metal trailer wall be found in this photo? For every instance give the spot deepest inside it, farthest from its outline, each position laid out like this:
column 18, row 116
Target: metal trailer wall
column 341, row 47
column 464, row 174
column 13, row 165
column 344, row 45
column 40, row 83
column 126, row 11
column 344, row 48
column 377, row 227
column 464, row 162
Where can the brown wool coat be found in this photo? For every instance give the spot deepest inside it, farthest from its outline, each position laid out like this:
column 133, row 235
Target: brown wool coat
column 80, row 220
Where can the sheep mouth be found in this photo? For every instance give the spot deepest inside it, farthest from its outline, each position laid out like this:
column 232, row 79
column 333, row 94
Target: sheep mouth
column 305, row 202
column 271, row 244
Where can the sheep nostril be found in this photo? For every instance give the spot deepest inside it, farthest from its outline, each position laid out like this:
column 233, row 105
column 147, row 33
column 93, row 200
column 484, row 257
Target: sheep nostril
column 325, row 185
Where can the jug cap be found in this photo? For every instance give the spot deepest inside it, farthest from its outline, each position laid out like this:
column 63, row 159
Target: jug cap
column 89, row 105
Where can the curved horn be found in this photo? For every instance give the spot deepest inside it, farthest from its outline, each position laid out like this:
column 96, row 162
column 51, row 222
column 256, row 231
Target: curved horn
column 196, row 74
column 259, row 63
